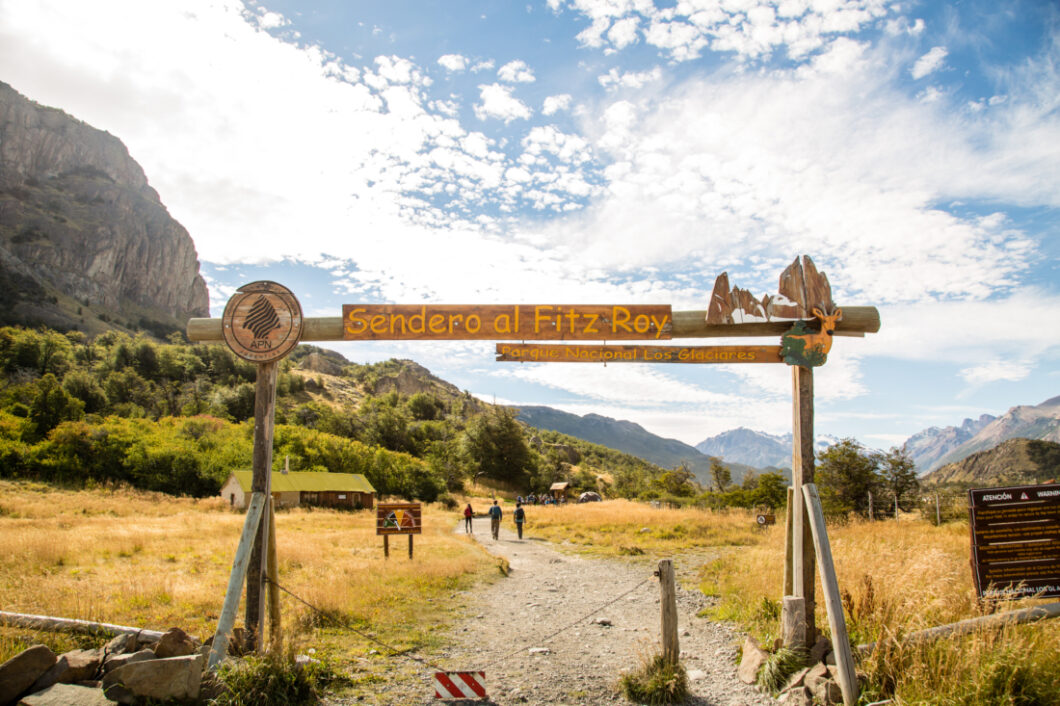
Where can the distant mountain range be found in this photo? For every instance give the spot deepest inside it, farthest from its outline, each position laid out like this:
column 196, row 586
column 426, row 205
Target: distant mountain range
column 757, row 448
column 630, row 438
column 936, row 447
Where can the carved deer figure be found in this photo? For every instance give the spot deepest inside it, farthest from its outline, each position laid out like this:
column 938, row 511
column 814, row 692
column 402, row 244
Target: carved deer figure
column 815, row 345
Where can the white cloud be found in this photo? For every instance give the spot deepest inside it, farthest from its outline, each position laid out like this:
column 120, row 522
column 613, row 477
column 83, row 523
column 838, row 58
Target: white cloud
column 453, row 62
column 996, row 370
column 516, row 72
column 928, row 63
column 554, row 104
column 734, row 167
column 631, row 79
column 497, row 102
column 750, row 28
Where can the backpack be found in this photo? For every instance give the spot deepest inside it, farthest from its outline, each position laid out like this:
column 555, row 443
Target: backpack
column 520, row 515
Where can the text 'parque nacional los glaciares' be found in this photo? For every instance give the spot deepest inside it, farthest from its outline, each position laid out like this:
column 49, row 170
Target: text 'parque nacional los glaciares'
column 536, row 322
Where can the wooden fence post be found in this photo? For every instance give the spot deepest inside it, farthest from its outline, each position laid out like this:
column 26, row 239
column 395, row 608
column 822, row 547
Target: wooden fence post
column 844, row 660
column 788, row 581
column 668, row 603
column 938, row 515
column 264, row 409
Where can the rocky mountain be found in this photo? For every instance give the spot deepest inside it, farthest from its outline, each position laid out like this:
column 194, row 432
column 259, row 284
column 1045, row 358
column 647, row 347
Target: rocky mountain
column 628, row 437
column 1040, row 421
column 928, row 447
column 1012, row 462
column 756, row 448
column 85, row 242
column 936, row 447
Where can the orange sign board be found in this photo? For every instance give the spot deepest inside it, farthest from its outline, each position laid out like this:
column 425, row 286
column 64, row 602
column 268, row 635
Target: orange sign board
column 397, row 518
column 523, row 353
column 536, row 322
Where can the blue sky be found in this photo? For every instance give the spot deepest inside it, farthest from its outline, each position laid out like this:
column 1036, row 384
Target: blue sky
column 609, row 151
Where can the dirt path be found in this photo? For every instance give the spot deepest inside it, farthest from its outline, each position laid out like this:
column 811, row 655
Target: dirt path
column 509, row 626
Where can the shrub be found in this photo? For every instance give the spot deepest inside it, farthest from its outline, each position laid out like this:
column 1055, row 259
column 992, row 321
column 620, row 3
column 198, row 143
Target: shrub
column 276, row 680
column 658, row 681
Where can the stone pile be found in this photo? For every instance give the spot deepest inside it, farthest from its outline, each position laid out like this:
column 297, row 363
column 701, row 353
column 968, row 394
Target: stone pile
column 127, row 670
column 815, row 684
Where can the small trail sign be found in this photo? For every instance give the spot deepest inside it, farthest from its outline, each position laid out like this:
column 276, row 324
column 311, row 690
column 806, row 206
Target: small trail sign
column 397, row 518
column 460, row 685
column 1016, row 541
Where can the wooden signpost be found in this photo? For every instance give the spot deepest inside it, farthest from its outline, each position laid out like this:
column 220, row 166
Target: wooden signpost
column 397, row 518
column 1016, row 541
column 263, row 322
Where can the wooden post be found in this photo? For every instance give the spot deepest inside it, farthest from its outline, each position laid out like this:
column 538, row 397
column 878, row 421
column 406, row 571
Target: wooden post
column 235, row 580
column 273, row 570
column 668, row 603
column 896, row 507
column 410, row 546
column 802, row 470
column 938, row 515
column 793, row 621
column 830, row 586
column 386, row 546
column 870, row 506
column 787, row 546
column 264, row 409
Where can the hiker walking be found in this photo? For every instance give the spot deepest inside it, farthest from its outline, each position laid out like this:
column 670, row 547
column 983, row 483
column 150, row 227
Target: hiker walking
column 495, row 520
column 520, row 518
column 468, row 514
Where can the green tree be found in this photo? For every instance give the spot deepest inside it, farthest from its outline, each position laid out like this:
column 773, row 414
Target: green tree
column 86, row 388
column 52, row 405
column 845, row 476
column 495, row 447
column 720, row 474
column 899, row 477
column 679, row 482
column 772, row 491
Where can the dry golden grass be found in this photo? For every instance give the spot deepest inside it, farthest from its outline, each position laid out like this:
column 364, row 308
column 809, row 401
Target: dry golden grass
column 155, row 561
column 898, row 578
column 622, row 527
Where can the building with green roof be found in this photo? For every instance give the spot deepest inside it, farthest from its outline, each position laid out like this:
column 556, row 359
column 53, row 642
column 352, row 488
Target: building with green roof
column 294, row 489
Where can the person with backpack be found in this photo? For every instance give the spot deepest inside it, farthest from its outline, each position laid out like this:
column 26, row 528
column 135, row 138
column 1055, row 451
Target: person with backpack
column 520, row 518
column 495, row 520
column 468, row 514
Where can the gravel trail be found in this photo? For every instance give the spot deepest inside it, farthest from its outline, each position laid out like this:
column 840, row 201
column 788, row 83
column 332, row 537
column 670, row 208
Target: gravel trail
column 508, row 632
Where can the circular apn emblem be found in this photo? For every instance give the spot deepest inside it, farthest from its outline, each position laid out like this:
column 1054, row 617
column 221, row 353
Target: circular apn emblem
column 262, row 322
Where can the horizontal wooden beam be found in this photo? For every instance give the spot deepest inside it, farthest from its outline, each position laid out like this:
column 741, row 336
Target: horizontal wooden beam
column 856, row 321
column 971, row 625
column 88, row 627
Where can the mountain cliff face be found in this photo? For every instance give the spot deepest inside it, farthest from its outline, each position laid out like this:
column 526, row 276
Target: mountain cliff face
column 1012, row 462
column 83, row 238
column 927, row 448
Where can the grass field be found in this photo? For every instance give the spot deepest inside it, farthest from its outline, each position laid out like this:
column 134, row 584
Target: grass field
column 155, row 561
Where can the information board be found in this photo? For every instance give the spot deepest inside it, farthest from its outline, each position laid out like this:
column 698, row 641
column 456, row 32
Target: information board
column 1016, row 541
column 397, row 518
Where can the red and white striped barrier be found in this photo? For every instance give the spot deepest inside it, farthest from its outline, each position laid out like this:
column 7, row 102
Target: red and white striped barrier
column 459, row 685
